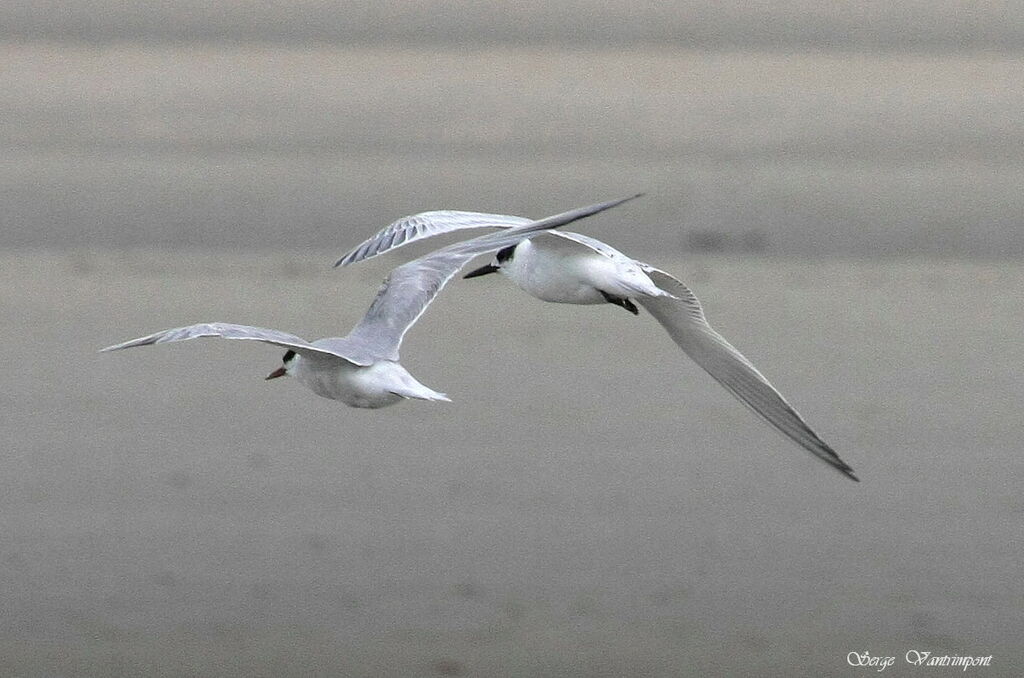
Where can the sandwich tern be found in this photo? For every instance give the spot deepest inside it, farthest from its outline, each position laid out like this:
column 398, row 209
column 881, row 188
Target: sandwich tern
column 362, row 368
column 570, row 268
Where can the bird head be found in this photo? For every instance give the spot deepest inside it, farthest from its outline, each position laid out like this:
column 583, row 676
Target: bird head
column 502, row 257
column 288, row 362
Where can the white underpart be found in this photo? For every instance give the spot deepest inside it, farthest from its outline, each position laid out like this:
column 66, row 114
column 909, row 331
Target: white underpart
column 576, row 278
column 378, row 385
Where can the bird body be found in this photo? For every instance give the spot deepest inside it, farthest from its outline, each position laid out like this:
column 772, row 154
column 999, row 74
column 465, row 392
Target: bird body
column 382, row 383
column 556, row 269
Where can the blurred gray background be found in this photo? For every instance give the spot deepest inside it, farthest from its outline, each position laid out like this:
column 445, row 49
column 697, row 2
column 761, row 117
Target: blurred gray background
column 839, row 183
column 856, row 128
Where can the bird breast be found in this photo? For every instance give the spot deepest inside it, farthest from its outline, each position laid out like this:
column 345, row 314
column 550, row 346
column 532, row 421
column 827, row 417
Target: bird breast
column 567, row 278
column 365, row 387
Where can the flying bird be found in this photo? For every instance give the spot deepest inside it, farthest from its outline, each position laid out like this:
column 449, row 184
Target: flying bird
column 362, row 369
column 570, row 268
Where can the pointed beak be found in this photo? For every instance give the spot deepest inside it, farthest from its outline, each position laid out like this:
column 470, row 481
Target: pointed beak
column 279, row 372
column 483, row 270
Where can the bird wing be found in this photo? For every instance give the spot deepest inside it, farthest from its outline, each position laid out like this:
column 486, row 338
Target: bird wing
column 426, row 225
column 683, row 319
column 569, row 243
column 409, row 289
column 232, row 331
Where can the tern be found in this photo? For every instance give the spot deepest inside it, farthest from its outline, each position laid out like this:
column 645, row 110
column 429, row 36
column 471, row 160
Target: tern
column 362, row 368
column 570, row 268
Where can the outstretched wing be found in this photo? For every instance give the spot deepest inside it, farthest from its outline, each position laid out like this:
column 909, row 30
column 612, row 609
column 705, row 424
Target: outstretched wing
column 409, row 289
column 232, row 331
column 683, row 319
column 426, row 225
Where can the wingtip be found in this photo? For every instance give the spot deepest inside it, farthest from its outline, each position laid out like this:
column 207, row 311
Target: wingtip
column 846, row 470
column 615, row 203
column 354, row 255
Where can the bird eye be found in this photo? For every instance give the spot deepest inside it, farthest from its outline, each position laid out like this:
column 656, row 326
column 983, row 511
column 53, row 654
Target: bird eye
column 505, row 254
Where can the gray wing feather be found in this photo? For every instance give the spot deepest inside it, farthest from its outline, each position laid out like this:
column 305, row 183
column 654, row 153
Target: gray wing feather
column 577, row 243
column 683, row 319
column 425, row 225
column 232, row 331
column 409, row 289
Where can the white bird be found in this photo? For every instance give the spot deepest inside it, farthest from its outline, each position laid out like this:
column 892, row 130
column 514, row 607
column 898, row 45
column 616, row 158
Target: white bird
column 362, row 369
column 571, row 268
